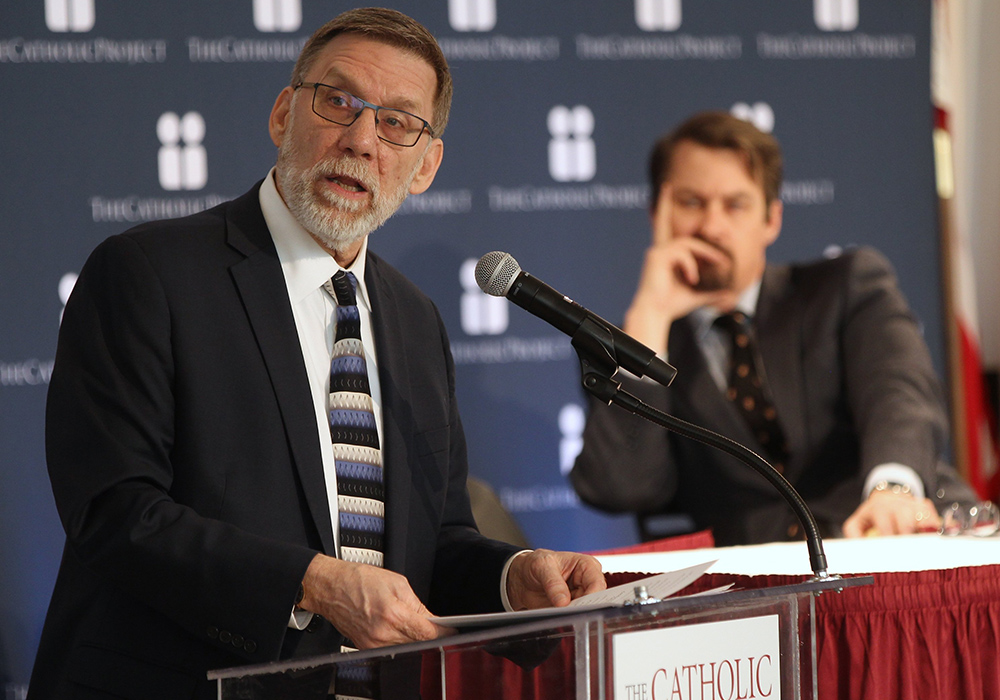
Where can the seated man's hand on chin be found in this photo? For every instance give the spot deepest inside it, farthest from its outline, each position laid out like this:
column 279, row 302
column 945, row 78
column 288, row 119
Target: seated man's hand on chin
column 888, row 513
column 543, row 578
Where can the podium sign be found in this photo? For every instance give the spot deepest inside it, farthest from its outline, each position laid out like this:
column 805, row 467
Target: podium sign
column 727, row 660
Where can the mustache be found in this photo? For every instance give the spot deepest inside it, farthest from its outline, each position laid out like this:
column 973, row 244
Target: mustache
column 346, row 166
column 716, row 245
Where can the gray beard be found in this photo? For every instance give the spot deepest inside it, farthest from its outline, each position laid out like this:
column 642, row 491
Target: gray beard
column 336, row 222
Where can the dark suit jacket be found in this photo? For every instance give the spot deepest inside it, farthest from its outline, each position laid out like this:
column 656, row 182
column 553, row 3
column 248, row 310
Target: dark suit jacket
column 183, row 453
column 853, row 384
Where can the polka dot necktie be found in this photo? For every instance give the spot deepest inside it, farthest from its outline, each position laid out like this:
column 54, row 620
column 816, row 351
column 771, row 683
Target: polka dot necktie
column 746, row 390
column 360, row 493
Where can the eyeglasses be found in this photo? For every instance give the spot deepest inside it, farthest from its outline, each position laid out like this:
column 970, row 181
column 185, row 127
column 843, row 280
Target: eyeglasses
column 391, row 125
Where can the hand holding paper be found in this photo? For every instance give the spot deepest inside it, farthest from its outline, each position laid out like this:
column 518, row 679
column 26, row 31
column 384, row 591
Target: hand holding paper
column 659, row 586
column 543, row 578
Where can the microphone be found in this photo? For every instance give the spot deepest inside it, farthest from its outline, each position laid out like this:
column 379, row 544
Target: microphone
column 499, row 275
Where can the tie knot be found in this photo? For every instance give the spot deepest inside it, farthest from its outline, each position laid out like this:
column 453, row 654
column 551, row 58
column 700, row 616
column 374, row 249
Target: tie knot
column 344, row 285
column 733, row 322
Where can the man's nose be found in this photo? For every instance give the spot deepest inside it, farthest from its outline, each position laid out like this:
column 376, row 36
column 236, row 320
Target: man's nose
column 713, row 222
column 360, row 138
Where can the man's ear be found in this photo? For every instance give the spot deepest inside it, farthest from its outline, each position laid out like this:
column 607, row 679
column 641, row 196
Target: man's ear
column 277, row 124
column 774, row 210
column 428, row 168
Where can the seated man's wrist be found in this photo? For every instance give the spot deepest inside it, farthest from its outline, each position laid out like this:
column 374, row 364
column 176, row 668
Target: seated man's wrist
column 891, row 487
column 895, row 478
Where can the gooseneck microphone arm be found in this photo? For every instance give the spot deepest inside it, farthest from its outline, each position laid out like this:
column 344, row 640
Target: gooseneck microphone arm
column 603, row 348
column 598, row 367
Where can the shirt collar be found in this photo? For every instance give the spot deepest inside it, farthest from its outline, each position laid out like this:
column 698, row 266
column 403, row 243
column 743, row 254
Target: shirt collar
column 304, row 262
column 705, row 316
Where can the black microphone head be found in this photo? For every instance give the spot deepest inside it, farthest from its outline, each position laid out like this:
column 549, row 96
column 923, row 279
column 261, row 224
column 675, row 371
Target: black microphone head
column 495, row 273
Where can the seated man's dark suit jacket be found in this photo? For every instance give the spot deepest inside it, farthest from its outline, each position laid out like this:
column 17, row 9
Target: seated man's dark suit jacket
column 853, row 384
column 183, row 453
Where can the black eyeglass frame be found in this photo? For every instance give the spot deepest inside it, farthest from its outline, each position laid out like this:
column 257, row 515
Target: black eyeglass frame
column 365, row 104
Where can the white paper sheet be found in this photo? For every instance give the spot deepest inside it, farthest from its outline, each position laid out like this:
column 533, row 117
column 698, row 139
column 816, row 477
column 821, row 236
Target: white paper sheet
column 659, row 586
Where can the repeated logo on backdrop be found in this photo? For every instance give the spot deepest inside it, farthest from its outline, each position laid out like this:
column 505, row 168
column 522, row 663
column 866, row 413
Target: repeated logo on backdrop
column 658, row 15
column 472, row 15
column 836, row 15
column 652, row 16
column 572, row 153
column 181, row 163
column 572, row 157
column 76, row 17
column 572, row 419
column 759, row 114
column 841, row 17
column 480, row 16
column 277, row 15
column 182, row 160
column 69, row 15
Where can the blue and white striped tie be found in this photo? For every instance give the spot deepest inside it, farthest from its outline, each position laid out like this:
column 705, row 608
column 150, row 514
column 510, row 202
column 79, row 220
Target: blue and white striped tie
column 360, row 492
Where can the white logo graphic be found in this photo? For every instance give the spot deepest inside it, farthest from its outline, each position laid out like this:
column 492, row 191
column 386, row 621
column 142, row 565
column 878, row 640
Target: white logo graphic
column 836, row 15
column 69, row 15
column 277, row 15
column 482, row 314
column 571, row 422
column 658, row 15
column 759, row 114
column 472, row 15
column 572, row 154
column 66, row 284
column 183, row 162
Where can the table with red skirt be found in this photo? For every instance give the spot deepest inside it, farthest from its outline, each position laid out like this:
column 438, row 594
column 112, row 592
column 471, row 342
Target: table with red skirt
column 928, row 628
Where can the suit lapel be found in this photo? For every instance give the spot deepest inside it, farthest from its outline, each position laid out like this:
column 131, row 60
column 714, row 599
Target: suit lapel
column 779, row 333
column 393, row 373
column 261, row 285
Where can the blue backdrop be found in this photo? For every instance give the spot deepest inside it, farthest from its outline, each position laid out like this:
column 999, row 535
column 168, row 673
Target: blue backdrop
column 118, row 112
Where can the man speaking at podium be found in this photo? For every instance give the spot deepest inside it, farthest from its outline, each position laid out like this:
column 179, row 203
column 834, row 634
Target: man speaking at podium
column 820, row 367
column 252, row 433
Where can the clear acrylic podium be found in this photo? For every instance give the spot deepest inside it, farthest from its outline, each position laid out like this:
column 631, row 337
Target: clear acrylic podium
column 569, row 657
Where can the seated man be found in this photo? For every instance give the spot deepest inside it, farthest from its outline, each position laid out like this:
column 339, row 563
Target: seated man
column 818, row 367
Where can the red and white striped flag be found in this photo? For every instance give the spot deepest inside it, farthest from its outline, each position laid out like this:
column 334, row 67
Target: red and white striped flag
column 974, row 430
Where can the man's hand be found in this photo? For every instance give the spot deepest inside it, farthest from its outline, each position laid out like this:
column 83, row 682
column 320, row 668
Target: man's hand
column 544, row 578
column 887, row 513
column 370, row 606
column 667, row 284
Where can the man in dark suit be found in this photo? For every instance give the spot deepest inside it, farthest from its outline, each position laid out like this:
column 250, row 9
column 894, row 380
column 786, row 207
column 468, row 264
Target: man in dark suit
column 850, row 410
column 187, row 434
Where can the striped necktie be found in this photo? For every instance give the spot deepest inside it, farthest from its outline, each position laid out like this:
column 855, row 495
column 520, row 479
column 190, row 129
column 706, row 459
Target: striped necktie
column 360, row 499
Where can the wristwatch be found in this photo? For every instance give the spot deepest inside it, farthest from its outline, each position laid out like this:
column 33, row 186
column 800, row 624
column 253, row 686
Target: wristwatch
column 892, row 487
